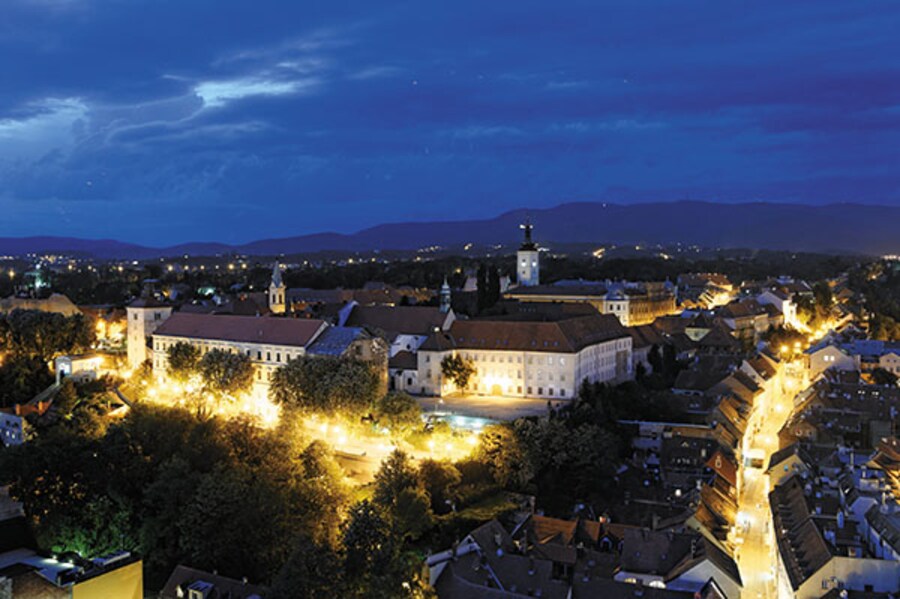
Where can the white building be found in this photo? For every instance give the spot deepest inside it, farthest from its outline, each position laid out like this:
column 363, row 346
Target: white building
column 144, row 315
column 268, row 342
column 528, row 359
column 826, row 357
column 528, row 261
column 85, row 367
column 785, row 304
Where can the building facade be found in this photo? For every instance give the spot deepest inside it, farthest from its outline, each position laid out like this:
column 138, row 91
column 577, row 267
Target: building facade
column 269, row 342
column 145, row 315
column 528, row 261
column 547, row 360
column 633, row 303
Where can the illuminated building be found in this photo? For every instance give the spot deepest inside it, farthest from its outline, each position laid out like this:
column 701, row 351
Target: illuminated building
column 633, row 304
column 27, row 572
column 528, row 263
column 144, row 315
column 528, row 359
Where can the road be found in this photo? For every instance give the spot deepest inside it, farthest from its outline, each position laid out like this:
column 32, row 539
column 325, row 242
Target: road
column 756, row 554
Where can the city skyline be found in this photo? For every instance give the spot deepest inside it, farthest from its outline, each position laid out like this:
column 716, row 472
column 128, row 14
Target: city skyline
column 168, row 123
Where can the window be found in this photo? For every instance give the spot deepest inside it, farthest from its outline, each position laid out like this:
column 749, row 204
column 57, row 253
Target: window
column 268, row 356
column 278, row 357
column 540, row 390
column 259, row 355
column 135, row 316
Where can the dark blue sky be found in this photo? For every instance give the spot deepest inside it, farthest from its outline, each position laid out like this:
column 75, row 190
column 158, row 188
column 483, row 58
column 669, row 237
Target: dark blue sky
column 159, row 121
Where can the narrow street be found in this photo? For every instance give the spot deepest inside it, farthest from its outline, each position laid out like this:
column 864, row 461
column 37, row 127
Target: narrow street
column 757, row 557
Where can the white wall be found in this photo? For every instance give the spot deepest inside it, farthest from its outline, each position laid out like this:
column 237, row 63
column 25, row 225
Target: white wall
column 142, row 322
column 545, row 375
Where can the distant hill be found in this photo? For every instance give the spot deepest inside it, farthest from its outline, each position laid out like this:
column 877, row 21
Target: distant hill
column 835, row 228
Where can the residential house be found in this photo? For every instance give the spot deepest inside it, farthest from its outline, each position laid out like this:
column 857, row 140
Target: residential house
column 190, row 583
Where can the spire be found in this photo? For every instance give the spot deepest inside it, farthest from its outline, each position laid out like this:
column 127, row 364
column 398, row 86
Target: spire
column 276, row 275
column 527, row 244
column 445, row 296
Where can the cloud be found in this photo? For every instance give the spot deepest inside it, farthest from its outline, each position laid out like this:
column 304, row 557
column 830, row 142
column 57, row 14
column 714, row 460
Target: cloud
column 375, row 72
column 220, row 93
column 477, row 131
column 52, row 123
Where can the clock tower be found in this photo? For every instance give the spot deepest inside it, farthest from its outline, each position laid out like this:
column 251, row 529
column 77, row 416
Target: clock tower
column 527, row 261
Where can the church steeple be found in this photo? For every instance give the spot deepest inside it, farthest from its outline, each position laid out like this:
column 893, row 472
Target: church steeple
column 446, row 298
column 276, row 275
column 528, row 259
column 528, row 244
column 277, row 291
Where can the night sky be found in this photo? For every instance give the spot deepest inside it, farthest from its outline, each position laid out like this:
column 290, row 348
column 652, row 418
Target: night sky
column 160, row 121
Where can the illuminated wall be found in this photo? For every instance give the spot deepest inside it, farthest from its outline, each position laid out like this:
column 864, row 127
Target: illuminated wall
column 126, row 582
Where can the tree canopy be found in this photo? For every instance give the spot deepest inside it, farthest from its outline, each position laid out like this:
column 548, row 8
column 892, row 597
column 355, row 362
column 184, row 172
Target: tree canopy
column 458, row 369
column 226, row 373
column 183, row 360
column 326, row 383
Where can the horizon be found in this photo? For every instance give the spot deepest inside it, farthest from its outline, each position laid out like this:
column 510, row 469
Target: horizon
column 376, row 225
column 330, row 118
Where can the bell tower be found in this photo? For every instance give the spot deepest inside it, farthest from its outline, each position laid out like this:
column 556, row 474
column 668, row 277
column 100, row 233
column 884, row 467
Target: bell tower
column 527, row 260
column 446, row 298
column 277, row 291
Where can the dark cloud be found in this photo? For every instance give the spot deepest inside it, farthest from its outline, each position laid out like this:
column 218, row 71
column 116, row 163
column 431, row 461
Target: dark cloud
column 163, row 121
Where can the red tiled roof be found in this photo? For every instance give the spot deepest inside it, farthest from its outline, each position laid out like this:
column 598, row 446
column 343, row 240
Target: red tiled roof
column 410, row 320
column 724, row 466
column 296, row 332
column 570, row 335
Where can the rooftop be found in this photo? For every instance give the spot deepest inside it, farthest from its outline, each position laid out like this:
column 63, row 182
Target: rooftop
column 296, row 332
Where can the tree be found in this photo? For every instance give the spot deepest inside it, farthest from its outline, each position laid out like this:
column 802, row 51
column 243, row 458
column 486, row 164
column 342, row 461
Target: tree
column 500, row 448
column 458, row 369
column 640, row 371
column 309, row 572
column 226, row 373
column 21, row 378
column 493, row 287
column 880, row 376
column 395, row 474
column 367, row 545
column 399, row 412
column 439, row 479
column 44, row 335
column 326, row 383
column 654, row 358
column 397, row 490
column 184, row 360
column 481, row 291
column 822, row 294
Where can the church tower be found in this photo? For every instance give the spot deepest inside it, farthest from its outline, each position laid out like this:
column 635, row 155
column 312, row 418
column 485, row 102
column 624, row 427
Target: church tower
column 528, row 261
column 445, row 297
column 277, row 291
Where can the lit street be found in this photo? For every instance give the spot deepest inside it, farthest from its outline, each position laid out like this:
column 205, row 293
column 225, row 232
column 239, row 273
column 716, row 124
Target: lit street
column 756, row 554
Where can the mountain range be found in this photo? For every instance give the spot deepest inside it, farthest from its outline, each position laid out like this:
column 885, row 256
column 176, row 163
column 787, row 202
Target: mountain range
column 833, row 228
